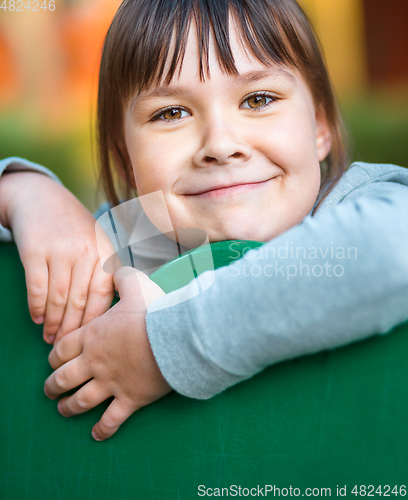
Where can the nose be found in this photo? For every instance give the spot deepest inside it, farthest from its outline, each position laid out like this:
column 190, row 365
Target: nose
column 221, row 144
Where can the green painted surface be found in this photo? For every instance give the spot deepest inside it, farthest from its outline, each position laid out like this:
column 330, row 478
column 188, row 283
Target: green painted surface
column 335, row 418
column 180, row 271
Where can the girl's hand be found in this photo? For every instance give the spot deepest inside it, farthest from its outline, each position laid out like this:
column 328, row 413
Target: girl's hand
column 114, row 352
column 55, row 236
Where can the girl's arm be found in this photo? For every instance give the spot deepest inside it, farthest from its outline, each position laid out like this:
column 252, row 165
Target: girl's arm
column 338, row 277
column 262, row 309
column 55, row 236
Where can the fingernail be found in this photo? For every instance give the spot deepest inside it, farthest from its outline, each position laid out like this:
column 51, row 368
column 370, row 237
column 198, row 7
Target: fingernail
column 95, row 436
column 39, row 320
column 50, row 339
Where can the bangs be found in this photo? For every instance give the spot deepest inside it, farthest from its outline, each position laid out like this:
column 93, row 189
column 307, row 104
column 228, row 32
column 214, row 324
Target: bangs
column 149, row 33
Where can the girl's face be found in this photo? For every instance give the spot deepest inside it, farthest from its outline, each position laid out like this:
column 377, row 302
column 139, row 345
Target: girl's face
column 258, row 131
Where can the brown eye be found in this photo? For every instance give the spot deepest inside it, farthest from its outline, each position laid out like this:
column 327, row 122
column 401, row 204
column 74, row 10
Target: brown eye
column 172, row 114
column 256, row 101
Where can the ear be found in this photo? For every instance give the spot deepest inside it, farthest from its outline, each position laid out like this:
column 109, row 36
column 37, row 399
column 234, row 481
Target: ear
column 324, row 137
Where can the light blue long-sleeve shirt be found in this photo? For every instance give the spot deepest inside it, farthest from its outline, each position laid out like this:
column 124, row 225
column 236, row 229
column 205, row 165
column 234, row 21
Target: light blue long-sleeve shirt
column 338, row 277
column 245, row 322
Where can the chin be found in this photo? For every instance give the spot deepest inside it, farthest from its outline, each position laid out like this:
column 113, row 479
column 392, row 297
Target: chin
column 240, row 234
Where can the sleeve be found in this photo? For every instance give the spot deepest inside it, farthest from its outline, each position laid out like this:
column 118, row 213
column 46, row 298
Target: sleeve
column 334, row 279
column 15, row 164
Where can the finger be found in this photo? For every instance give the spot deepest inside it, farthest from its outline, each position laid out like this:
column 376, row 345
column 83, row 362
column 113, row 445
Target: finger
column 67, row 377
column 100, row 296
column 116, row 413
column 136, row 285
column 67, row 348
column 87, row 397
column 77, row 299
column 36, row 271
column 106, row 251
column 58, row 289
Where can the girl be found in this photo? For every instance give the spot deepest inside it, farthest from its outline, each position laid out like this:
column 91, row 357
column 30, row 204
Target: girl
column 226, row 107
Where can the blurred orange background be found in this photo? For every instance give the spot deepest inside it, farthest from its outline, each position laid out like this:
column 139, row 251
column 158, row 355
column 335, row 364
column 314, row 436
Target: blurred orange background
column 49, row 68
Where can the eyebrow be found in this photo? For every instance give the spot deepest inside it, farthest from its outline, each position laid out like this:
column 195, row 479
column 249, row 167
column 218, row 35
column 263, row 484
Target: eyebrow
column 245, row 78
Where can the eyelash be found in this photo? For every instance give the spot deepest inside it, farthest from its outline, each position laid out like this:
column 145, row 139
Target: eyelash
column 157, row 116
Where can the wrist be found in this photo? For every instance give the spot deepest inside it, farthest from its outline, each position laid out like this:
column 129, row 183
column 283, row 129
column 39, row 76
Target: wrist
column 7, row 186
column 15, row 189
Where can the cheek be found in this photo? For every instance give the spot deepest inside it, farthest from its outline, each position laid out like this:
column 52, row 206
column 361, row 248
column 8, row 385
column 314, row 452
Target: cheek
column 288, row 141
column 288, row 138
column 151, row 166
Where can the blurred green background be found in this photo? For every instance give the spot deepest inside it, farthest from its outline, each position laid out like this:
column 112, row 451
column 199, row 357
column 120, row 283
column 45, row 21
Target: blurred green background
column 48, row 81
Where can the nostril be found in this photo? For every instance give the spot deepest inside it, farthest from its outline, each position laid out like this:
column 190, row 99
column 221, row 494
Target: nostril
column 236, row 155
column 208, row 159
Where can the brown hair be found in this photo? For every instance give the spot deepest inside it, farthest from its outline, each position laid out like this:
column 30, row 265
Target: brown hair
column 137, row 46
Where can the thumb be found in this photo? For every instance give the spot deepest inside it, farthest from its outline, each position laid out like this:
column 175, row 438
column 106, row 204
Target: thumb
column 135, row 285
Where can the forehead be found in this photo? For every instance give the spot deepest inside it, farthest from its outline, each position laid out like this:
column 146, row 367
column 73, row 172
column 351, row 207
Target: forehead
column 242, row 54
column 249, row 67
column 179, row 86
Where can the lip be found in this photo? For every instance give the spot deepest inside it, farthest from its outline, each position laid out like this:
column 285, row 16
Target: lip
column 230, row 189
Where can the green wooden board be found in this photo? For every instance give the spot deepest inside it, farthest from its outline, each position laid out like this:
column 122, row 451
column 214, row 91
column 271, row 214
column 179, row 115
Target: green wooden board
column 335, row 418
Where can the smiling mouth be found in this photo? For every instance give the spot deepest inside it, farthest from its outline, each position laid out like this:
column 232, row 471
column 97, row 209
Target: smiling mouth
column 230, row 190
